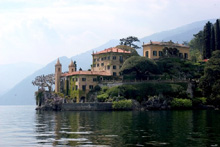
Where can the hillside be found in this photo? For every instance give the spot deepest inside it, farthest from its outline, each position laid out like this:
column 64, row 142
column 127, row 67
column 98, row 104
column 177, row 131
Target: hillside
column 23, row 92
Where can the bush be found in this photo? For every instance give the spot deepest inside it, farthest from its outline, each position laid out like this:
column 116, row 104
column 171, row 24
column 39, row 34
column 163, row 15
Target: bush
column 181, row 103
column 122, row 105
column 102, row 97
column 199, row 101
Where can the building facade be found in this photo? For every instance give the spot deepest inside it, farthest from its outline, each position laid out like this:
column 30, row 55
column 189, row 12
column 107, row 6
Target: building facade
column 154, row 50
column 75, row 85
column 109, row 60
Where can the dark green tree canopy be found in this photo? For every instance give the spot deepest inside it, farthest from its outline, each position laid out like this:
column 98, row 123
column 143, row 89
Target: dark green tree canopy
column 139, row 66
column 210, row 82
column 129, row 41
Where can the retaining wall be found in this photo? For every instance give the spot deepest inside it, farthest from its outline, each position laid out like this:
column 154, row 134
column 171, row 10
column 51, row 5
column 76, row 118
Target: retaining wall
column 87, row 107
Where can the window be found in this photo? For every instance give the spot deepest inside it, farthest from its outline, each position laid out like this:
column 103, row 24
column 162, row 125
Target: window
column 114, row 57
column 76, row 87
column 185, row 55
column 98, row 65
column 108, row 57
column 94, row 65
column 108, row 66
column 59, row 69
column 154, row 53
column 84, row 87
column 90, row 87
column 97, row 59
column 73, row 88
column 114, row 66
column 146, row 54
column 121, row 58
column 83, row 79
column 76, row 79
column 73, row 79
column 114, row 74
column 102, row 59
column 181, row 55
column 94, row 79
column 160, row 53
column 94, row 60
column 102, row 64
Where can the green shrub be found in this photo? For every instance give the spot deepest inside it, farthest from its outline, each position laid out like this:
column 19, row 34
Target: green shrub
column 181, row 103
column 199, row 101
column 102, row 97
column 122, row 105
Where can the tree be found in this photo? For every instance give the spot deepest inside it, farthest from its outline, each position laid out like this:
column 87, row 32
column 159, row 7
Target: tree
column 217, row 35
column 207, row 41
column 170, row 52
column 141, row 67
column 129, row 41
column 44, row 81
column 128, row 48
column 212, row 38
column 210, row 82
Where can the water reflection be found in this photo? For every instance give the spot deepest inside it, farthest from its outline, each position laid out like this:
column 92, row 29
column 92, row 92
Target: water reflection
column 153, row 128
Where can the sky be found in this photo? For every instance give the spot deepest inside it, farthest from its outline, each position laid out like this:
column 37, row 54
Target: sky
column 40, row 31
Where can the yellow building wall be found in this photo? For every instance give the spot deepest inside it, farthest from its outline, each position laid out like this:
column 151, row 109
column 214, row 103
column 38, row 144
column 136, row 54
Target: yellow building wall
column 151, row 48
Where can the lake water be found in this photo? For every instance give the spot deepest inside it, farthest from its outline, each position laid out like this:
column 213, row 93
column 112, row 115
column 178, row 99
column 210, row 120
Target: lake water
column 23, row 126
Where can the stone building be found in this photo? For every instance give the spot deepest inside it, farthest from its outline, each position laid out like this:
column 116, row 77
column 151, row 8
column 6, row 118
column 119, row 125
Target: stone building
column 154, row 50
column 76, row 84
column 109, row 60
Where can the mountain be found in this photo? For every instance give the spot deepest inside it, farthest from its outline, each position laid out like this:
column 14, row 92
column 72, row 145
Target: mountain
column 23, row 92
column 11, row 74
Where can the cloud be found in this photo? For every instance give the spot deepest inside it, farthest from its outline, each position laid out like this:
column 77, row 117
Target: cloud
column 40, row 31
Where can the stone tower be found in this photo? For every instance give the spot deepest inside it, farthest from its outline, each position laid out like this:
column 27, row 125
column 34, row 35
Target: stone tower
column 72, row 67
column 58, row 72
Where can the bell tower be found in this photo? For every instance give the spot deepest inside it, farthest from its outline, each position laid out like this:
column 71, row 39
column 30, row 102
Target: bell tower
column 58, row 72
column 72, row 67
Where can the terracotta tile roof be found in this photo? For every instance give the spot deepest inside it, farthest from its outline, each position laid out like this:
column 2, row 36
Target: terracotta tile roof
column 112, row 49
column 95, row 73
column 169, row 43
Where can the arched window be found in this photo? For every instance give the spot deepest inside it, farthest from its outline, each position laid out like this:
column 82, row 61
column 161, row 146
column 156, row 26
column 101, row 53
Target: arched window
column 146, row 54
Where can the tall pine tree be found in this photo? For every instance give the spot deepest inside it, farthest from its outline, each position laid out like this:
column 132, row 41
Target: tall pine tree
column 207, row 41
column 217, row 35
column 212, row 39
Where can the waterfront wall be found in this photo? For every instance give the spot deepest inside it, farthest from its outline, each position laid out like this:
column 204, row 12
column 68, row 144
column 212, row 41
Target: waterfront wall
column 86, row 107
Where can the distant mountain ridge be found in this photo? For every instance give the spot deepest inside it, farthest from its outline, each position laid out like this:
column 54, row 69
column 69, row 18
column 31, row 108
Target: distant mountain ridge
column 23, row 92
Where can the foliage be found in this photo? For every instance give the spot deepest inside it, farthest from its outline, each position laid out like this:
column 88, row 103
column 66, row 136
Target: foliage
column 102, row 97
column 39, row 96
column 177, row 103
column 176, row 68
column 210, row 82
column 199, row 101
column 170, row 52
column 122, row 104
column 44, row 81
column 128, row 48
column 129, row 41
column 205, row 42
column 141, row 67
column 60, row 94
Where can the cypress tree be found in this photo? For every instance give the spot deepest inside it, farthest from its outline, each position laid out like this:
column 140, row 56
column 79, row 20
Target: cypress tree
column 212, row 39
column 207, row 40
column 217, row 35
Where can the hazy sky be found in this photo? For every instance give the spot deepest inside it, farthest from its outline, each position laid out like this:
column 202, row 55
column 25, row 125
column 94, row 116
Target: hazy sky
column 39, row 31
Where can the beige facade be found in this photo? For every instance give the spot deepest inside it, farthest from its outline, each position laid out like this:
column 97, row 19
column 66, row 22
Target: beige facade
column 109, row 60
column 153, row 50
column 76, row 84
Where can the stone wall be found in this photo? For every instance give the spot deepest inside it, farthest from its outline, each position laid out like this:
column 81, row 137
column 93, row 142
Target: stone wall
column 87, row 107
